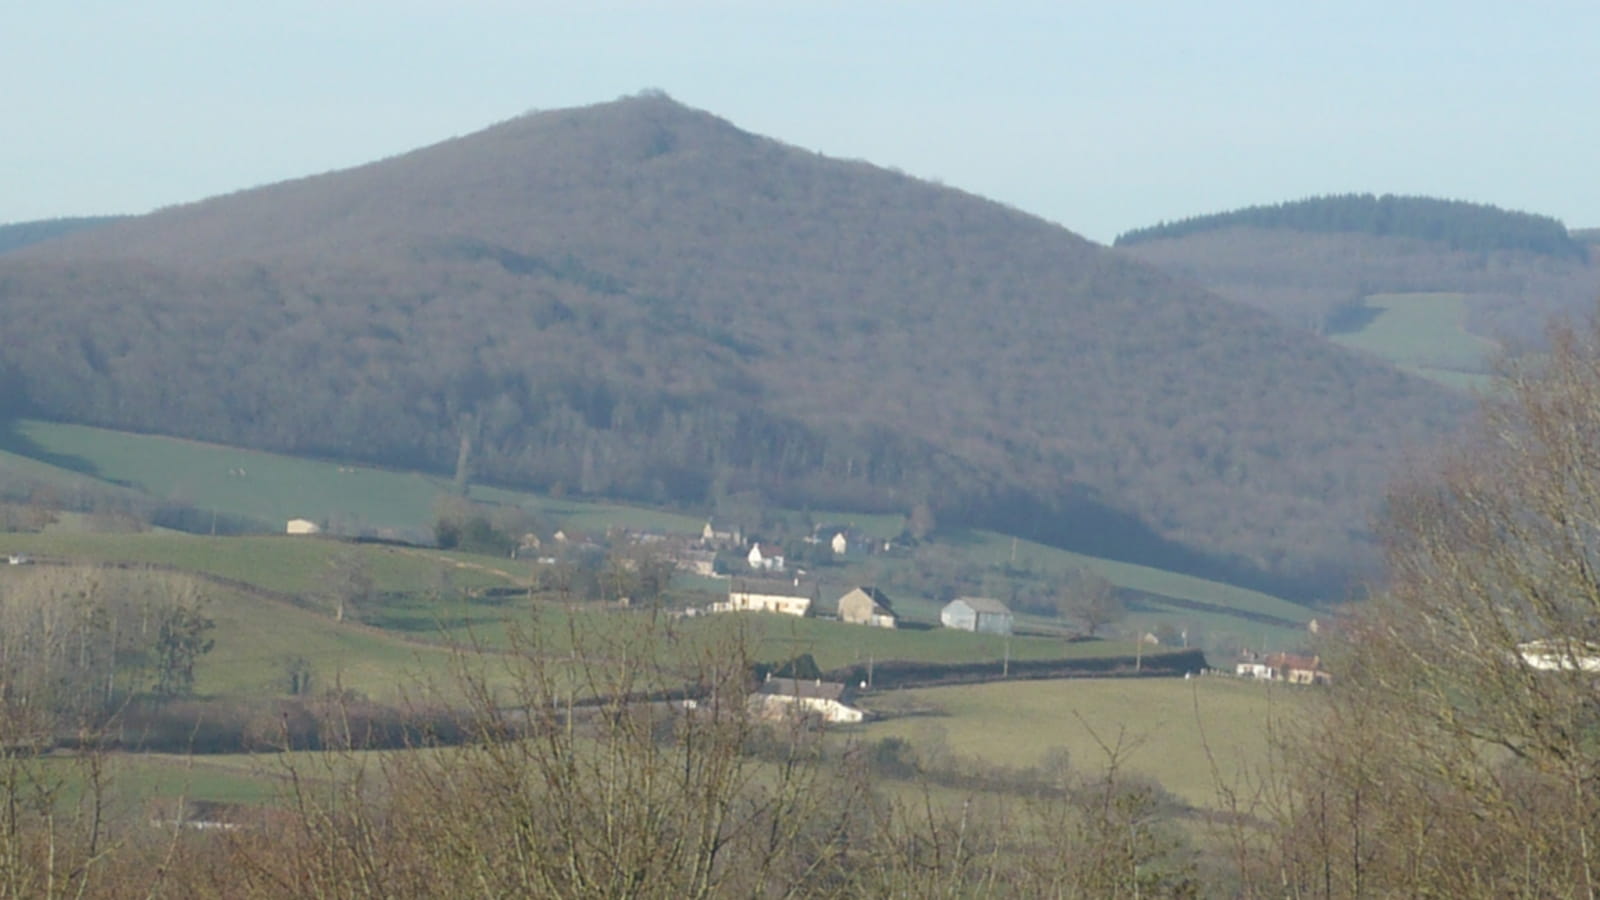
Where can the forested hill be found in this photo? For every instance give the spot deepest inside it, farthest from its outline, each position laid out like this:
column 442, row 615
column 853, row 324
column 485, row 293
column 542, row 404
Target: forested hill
column 638, row 299
column 21, row 234
column 1460, row 225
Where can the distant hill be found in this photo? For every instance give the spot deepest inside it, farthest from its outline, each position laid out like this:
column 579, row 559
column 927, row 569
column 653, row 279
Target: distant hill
column 1319, row 280
column 22, row 234
column 639, row 300
column 1457, row 224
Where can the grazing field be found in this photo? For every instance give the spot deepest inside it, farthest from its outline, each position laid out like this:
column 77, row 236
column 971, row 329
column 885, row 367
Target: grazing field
column 272, row 488
column 257, row 638
column 291, row 565
column 1423, row 333
column 1165, row 725
column 991, row 547
column 19, row 467
column 242, row 779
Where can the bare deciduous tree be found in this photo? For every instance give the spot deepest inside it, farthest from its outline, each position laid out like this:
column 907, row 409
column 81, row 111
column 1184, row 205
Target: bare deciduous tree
column 1460, row 753
column 1090, row 601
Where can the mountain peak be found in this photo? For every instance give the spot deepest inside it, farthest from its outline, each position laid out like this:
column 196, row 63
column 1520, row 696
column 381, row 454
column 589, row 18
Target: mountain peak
column 638, row 299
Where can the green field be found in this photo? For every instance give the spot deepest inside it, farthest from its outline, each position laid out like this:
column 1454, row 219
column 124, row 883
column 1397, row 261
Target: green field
column 272, row 488
column 990, row 547
column 1166, row 725
column 256, row 637
column 292, row 565
column 1424, row 334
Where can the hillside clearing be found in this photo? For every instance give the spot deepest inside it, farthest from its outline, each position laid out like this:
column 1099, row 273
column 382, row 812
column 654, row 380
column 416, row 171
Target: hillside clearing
column 1424, row 334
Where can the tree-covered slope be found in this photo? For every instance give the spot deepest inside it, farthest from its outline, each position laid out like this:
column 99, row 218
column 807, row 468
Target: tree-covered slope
column 639, row 299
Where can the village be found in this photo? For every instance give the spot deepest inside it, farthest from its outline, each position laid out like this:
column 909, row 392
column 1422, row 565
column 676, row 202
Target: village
column 760, row 577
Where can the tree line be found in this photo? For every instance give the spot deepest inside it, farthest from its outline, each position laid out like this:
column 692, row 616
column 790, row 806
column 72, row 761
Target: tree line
column 1456, row 223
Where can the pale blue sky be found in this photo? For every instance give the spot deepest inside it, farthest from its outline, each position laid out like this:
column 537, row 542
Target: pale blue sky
column 1101, row 117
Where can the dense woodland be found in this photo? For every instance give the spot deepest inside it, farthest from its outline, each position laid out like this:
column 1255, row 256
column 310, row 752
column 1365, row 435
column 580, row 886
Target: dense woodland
column 640, row 300
column 21, row 234
column 1458, row 224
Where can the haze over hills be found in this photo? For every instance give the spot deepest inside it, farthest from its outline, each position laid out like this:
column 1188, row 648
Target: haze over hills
column 640, row 300
column 1313, row 262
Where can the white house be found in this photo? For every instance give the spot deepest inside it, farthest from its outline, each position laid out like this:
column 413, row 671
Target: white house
column 840, row 544
column 302, row 526
column 1283, row 667
column 782, row 698
column 782, row 597
column 766, row 557
column 717, row 534
column 1251, row 668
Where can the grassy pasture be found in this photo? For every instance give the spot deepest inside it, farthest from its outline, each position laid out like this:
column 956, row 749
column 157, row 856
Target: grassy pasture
column 273, row 488
column 255, row 637
column 993, row 548
column 1424, row 334
column 246, row 780
column 1164, row 724
column 26, row 468
column 293, row 565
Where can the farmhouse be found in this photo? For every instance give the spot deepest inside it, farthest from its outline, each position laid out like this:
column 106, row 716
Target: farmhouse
column 1283, row 667
column 766, row 557
column 867, row 606
column 1252, row 666
column 302, row 526
column 721, row 534
column 1298, row 669
column 788, row 598
column 837, row 537
column 799, row 698
column 982, row 614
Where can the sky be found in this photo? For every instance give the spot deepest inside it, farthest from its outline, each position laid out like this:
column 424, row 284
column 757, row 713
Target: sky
column 1101, row 117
